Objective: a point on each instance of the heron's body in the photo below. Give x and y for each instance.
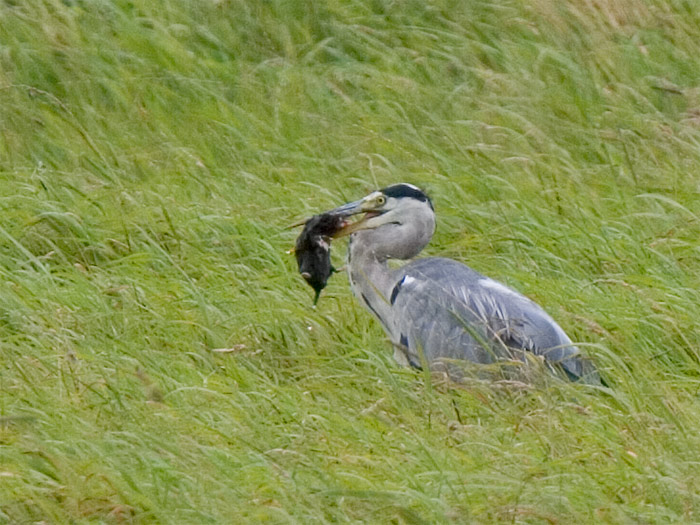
(444, 310)
(436, 309)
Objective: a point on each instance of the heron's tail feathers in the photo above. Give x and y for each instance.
(582, 370)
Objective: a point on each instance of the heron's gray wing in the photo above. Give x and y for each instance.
(444, 309)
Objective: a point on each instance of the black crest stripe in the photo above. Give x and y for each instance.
(399, 191)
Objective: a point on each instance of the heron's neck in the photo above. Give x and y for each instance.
(371, 279)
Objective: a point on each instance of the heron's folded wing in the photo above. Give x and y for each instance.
(449, 310)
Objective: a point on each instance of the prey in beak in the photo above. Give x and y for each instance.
(313, 250)
(313, 246)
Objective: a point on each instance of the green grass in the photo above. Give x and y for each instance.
(151, 157)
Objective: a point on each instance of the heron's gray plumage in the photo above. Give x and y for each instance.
(436, 309)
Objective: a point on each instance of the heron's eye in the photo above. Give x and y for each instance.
(381, 200)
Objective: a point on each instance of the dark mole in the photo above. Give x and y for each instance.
(313, 250)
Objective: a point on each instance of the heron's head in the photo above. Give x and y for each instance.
(399, 218)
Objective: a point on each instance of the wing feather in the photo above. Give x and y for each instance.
(445, 309)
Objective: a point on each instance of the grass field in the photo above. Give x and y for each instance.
(152, 155)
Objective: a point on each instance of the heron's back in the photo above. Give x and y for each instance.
(443, 309)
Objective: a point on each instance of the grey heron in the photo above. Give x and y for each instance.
(437, 310)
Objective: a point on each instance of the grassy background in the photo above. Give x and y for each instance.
(151, 156)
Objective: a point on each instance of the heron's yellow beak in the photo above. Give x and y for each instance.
(353, 227)
(368, 205)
